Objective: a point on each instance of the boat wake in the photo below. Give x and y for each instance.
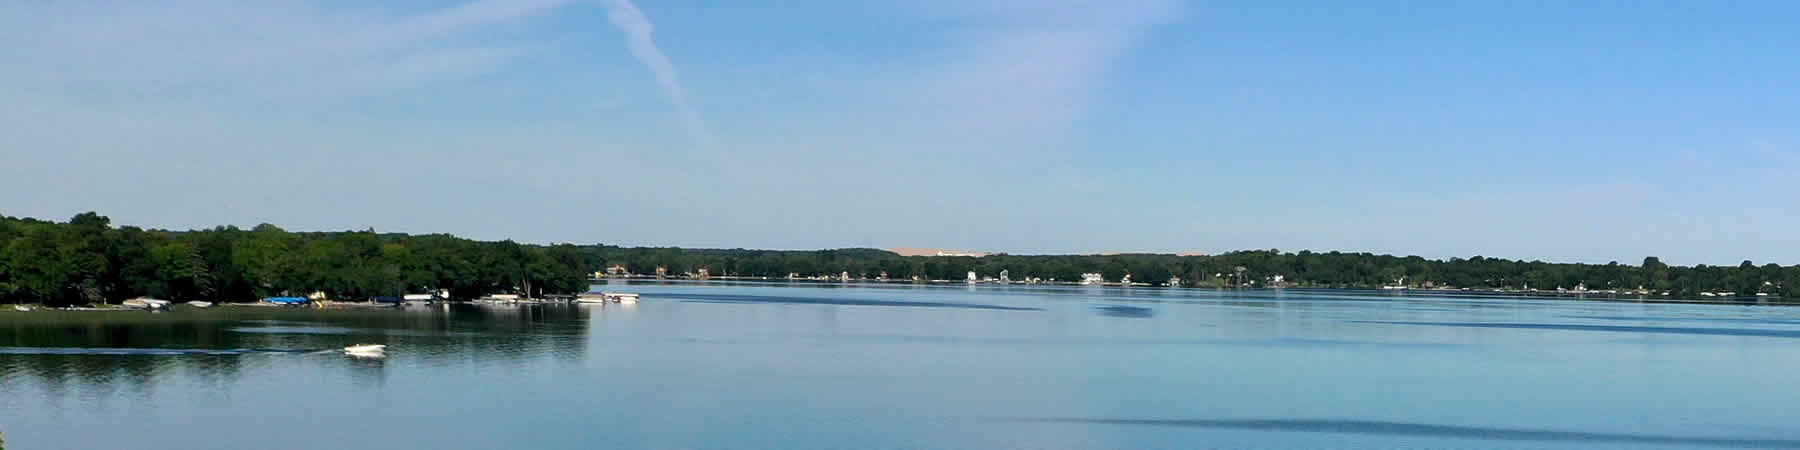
(156, 351)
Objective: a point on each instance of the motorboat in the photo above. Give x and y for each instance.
(200, 304)
(21, 308)
(366, 350)
(607, 297)
(147, 303)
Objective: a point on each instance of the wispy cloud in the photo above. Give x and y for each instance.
(637, 29)
(258, 49)
(1022, 72)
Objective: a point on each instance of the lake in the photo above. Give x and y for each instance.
(746, 365)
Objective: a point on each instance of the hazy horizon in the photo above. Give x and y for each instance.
(1588, 132)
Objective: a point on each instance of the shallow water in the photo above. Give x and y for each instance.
(828, 366)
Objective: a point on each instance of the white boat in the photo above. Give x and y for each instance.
(147, 303)
(366, 350)
(605, 297)
(21, 308)
(200, 304)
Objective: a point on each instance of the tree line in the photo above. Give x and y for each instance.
(1255, 268)
(87, 261)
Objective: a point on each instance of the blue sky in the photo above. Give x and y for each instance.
(1562, 131)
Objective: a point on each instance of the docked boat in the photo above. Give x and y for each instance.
(147, 303)
(200, 304)
(21, 308)
(500, 298)
(421, 298)
(607, 297)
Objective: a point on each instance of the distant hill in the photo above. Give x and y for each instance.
(1147, 253)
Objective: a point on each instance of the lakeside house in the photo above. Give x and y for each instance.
(1092, 278)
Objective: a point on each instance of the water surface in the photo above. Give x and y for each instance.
(739, 365)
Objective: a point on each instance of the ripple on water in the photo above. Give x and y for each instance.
(1611, 328)
(1429, 430)
(1134, 312)
(292, 330)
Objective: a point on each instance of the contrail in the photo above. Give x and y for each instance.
(637, 30)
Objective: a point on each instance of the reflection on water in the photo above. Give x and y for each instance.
(734, 365)
(100, 349)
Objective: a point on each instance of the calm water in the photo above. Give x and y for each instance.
(776, 366)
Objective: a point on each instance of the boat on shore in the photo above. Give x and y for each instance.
(287, 301)
(21, 308)
(200, 304)
(147, 304)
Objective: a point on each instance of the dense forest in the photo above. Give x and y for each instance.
(87, 260)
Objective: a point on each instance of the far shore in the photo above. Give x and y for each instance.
(1418, 293)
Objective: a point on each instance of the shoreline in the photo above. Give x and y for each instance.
(1419, 293)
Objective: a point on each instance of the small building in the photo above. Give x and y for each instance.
(617, 270)
(1092, 278)
(662, 272)
(972, 277)
(1005, 276)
